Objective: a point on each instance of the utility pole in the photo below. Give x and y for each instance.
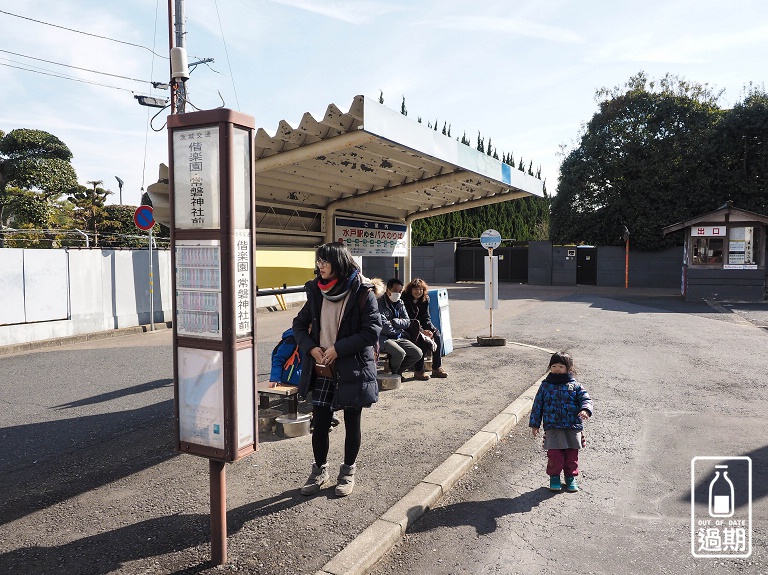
(178, 51)
(181, 92)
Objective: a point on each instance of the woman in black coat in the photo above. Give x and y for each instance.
(416, 301)
(337, 331)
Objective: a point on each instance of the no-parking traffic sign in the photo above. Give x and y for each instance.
(144, 218)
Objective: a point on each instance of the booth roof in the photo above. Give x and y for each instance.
(718, 215)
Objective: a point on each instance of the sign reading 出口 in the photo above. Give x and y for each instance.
(707, 231)
(368, 238)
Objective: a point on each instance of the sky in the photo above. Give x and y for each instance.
(523, 73)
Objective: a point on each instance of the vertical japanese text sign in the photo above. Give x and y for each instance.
(214, 353)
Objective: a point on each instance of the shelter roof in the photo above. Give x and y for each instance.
(370, 162)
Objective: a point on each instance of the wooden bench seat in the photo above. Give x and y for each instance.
(290, 392)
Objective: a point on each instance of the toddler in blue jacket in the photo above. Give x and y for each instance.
(561, 405)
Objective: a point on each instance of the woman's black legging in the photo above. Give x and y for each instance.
(321, 418)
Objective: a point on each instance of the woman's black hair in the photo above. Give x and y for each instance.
(562, 358)
(337, 254)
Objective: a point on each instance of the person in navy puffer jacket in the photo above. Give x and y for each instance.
(561, 405)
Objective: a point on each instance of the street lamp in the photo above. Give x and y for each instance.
(120, 183)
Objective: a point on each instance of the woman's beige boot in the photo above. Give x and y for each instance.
(346, 480)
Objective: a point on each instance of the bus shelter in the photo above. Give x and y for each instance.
(364, 176)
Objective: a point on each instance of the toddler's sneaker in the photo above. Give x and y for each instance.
(571, 485)
(554, 483)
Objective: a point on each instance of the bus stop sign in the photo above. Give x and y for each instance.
(490, 239)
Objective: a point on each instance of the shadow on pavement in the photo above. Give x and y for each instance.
(482, 515)
(67, 457)
(759, 459)
(637, 300)
(117, 394)
(107, 552)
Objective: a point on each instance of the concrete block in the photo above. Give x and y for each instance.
(365, 550)
(501, 425)
(413, 505)
(478, 445)
(450, 471)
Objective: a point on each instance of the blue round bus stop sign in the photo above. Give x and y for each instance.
(490, 239)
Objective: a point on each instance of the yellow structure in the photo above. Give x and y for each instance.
(275, 267)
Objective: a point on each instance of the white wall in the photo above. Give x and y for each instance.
(11, 286)
(56, 293)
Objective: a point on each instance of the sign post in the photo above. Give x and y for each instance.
(625, 237)
(214, 351)
(490, 240)
(144, 219)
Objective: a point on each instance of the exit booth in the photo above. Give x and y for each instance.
(723, 255)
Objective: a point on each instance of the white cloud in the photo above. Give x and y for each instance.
(504, 25)
(352, 12)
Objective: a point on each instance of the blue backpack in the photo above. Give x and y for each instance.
(286, 360)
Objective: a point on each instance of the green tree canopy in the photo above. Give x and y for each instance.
(523, 220)
(90, 212)
(646, 159)
(32, 160)
(741, 139)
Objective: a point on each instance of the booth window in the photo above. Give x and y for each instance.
(708, 250)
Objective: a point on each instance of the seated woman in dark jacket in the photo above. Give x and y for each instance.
(416, 301)
(337, 331)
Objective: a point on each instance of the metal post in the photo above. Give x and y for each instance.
(626, 263)
(181, 88)
(490, 287)
(218, 512)
(170, 47)
(151, 290)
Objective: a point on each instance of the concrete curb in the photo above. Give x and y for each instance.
(382, 535)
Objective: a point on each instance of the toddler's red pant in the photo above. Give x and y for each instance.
(565, 460)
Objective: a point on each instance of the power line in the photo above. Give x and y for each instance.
(76, 67)
(85, 33)
(67, 78)
(216, 4)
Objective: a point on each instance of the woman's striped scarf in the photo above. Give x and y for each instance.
(335, 289)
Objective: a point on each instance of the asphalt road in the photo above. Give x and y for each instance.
(92, 485)
(667, 386)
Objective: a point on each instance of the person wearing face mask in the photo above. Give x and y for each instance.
(404, 355)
